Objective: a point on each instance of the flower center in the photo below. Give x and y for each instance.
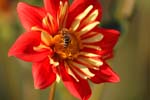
(66, 44)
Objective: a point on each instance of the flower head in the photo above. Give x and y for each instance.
(64, 41)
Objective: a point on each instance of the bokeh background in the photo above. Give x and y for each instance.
(131, 61)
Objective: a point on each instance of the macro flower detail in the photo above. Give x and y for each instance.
(63, 41)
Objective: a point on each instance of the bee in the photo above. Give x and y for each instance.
(66, 39)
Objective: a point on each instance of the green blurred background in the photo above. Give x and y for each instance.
(131, 61)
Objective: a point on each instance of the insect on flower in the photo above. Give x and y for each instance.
(63, 40)
(66, 38)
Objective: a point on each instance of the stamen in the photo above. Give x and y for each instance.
(89, 34)
(76, 23)
(95, 38)
(87, 54)
(93, 61)
(88, 28)
(92, 17)
(92, 47)
(55, 63)
(81, 70)
(87, 71)
(71, 73)
(40, 47)
(87, 64)
(63, 13)
(57, 78)
(48, 22)
(46, 38)
(85, 13)
(45, 21)
(35, 28)
(84, 69)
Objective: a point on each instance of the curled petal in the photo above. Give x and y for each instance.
(43, 74)
(104, 74)
(30, 15)
(23, 47)
(79, 89)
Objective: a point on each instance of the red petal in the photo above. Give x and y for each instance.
(110, 38)
(79, 89)
(30, 15)
(52, 6)
(108, 42)
(79, 6)
(23, 47)
(105, 74)
(43, 74)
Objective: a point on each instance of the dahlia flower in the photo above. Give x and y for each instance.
(64, 41)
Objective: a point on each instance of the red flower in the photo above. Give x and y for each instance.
(65, 41)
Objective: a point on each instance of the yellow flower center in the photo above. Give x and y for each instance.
(66, 44)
